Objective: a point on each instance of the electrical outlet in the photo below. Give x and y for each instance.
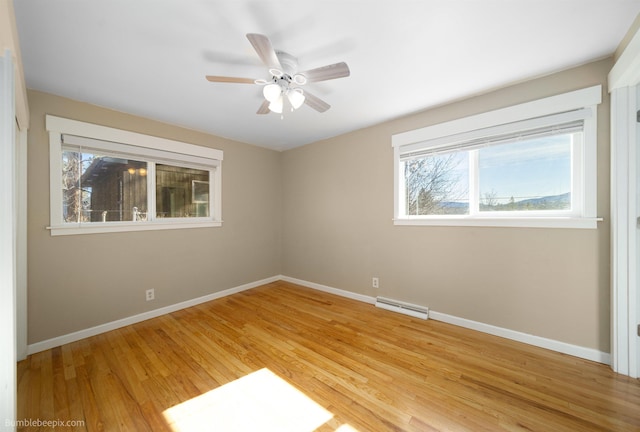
(375, 282)
(151, 294)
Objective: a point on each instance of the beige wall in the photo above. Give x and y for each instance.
(323, 213)
(338, 231)
(76, 282)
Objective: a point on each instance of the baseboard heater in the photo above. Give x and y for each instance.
(402, 307)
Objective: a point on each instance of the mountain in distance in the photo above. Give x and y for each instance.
(562, 199)
(551, 202)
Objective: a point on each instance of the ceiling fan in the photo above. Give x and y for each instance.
(286, 82)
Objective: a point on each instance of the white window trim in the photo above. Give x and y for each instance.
(587, 98)
(58, 126)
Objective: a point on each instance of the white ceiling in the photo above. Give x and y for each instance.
(149, 57)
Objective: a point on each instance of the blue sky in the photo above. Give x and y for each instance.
(527, 169)
(522, 170)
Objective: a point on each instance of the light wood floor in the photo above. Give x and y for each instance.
(367, 369)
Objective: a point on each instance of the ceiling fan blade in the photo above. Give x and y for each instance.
(264, 108)
(329, 72)
(315, 102)
(224, 79)
(265, 50)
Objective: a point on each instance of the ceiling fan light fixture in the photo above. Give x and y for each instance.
(277, 105)
(299, 79)
(284, 85)
(296, 98)
(272, 92)
(276, 72)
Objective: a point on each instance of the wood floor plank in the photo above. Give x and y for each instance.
(75, 405)
(61, 403)
(125, 365)
(92, 417)
(370, 369)
(46, 385)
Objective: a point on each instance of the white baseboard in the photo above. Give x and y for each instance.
(554, 345)
(550, 344)
(102, 328)
(330, 290)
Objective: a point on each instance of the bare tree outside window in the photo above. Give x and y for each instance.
(75, 199)
(433, 186)
(489, 200)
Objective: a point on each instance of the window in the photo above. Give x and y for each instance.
(105, 179)
(531, 165)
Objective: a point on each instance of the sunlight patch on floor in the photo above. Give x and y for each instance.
(260, 401)
(346, 428)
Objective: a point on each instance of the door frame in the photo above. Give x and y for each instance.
(625, 203)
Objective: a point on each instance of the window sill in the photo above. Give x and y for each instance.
(538, 222)
(98, 228)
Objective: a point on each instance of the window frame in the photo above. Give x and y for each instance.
(149, 149)
(444, 135)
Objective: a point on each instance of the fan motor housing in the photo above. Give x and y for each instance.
(288, 62)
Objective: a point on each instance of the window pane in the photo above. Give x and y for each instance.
(99, 188)
(181, 192)
(527, 175)
(437, 184)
